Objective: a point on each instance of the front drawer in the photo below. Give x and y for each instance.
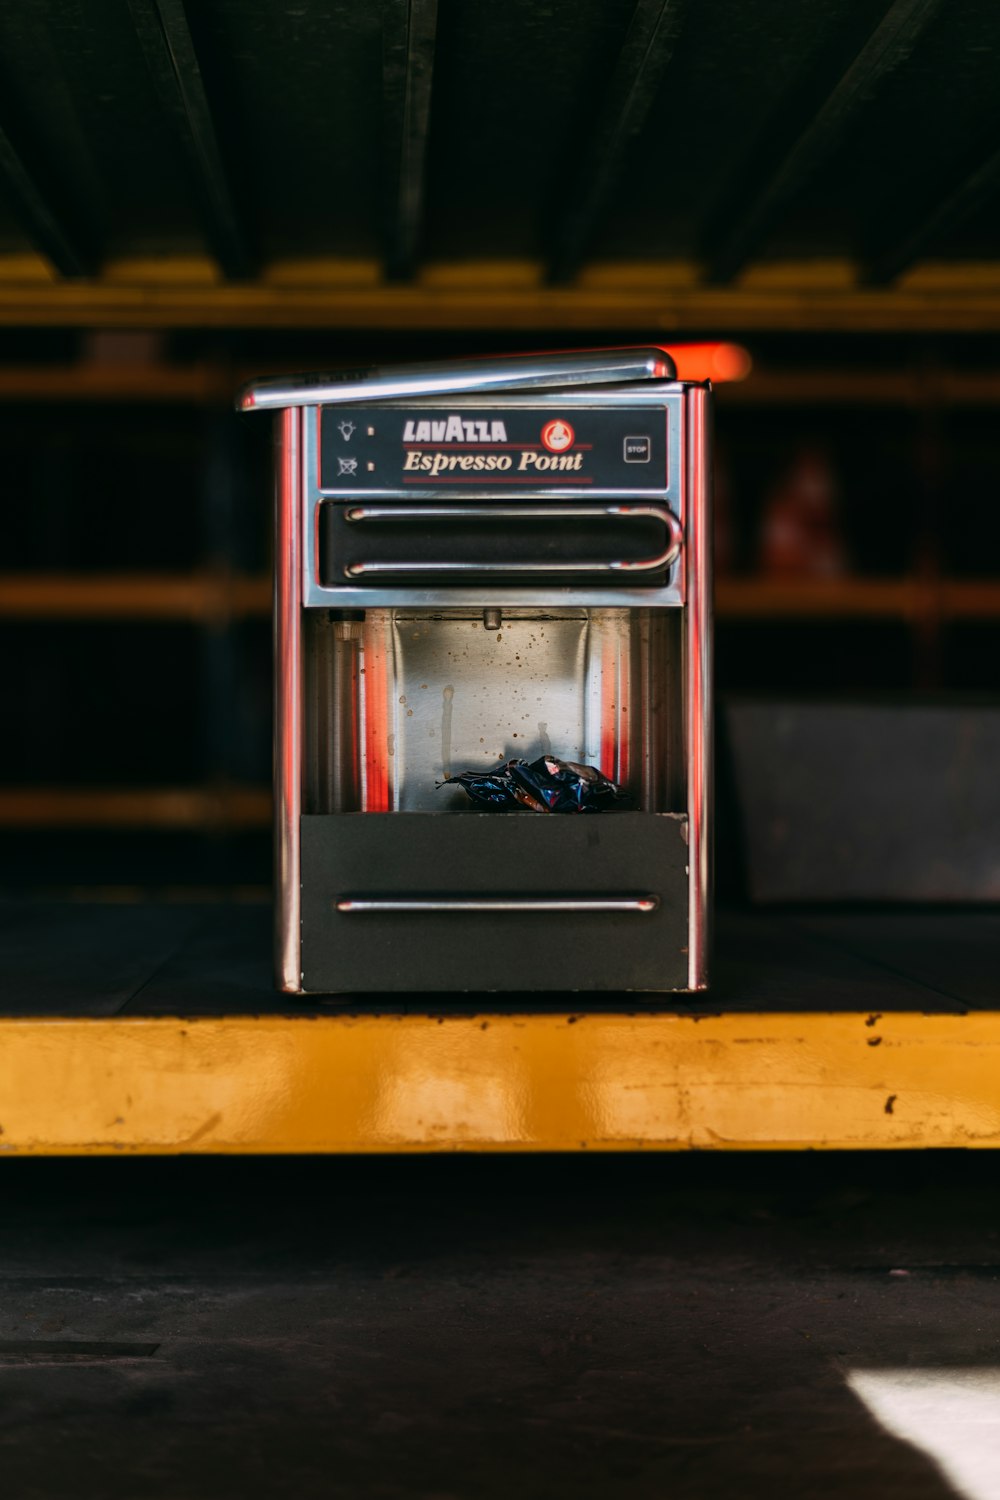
(389, 543)
(494, 902)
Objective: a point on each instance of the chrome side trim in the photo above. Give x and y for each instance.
(352, 905)
(698, 556)
(516, 372)
(288, 701)
(653, 564)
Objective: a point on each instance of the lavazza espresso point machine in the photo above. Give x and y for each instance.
(480, 567)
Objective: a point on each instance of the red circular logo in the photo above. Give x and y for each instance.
(558, 436)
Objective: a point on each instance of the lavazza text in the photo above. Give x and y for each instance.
(457, 430)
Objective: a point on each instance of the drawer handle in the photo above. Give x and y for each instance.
(353, 905)
(662, 559)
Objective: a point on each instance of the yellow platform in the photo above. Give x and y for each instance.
(499, 1083)
(827, 1031)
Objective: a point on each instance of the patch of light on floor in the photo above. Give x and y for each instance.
(952, 1415)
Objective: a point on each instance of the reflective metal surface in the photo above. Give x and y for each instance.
(698, 622)
(402, 700)
(512, 372)
(640, 904)
(287, 699)
(407, 686)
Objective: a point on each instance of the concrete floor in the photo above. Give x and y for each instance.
(496, 1327)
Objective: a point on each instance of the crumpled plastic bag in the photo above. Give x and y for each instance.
(543, 785)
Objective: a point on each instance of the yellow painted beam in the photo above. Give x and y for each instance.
(205, 597)
(62, 807)
(667, 298)
(498, 1083)
(763, 598)
(917, 389)
(128, 383)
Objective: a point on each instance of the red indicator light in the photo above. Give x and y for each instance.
(717, 362)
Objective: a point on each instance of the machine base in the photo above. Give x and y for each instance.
(354, 859)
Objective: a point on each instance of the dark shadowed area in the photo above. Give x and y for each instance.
(480, 1326)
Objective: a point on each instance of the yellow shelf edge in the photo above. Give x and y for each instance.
(498, 1082)
(667, 297)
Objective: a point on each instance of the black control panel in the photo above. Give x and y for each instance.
(600, 448)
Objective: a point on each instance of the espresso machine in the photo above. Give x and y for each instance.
(487, 573)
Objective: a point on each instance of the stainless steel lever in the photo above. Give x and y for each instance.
(354, 905)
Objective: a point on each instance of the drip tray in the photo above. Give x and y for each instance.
(494, 902)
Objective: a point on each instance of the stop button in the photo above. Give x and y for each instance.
(638, 450)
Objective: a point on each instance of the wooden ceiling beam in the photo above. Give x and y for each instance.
(410, 31)
(648, 47)
(739, 229)
(47, 227)
(165, 37)
(971, 194)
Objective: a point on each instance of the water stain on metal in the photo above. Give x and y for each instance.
(447, 709)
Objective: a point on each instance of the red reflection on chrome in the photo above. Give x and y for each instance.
(375, 697)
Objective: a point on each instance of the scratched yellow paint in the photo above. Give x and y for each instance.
(522, 1082)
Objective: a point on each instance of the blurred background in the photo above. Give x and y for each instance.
(190, 197)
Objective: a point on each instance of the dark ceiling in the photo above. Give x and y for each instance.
(565, 133)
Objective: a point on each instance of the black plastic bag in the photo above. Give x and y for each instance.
(543, 785)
